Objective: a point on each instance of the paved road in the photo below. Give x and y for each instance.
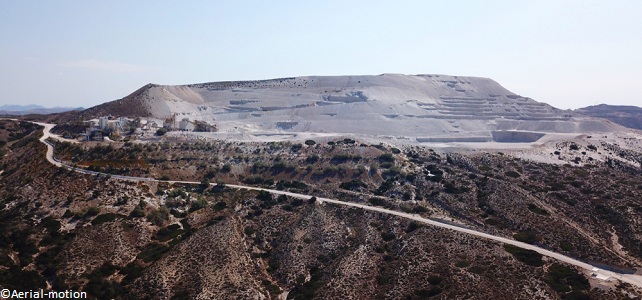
(629, 278)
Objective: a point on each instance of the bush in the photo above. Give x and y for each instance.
(264, 196)
(158, 216)
(419, 209)
(353, 184)
(152, 252)
(536, 209)
(161, 131)
(205, 183)
(434, 279)
(528, 257)
(564, 279)
(528, 237)
(198, 204)
(388, 236)
(378, 201)
(412, 227)
(386, 157)
(137, 212)
(512, 174)
(283, 184)
(427, 293)
(104, 218)
(254, 179)
(169, 232)
(221, 205)
(249, 230)
(451, 188)
(342, 158)
(92, 211)
(312, 159)
(310, 142)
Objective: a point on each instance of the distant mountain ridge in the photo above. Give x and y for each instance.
(628, 116)
(13, 107)
(421, 108)
(17, 110)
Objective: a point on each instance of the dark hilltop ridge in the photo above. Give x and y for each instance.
(628, 116)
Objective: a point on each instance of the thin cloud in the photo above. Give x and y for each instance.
(103, 65)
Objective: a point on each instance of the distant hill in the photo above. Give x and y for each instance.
(12, 107)
(19, 110)
(628, 116)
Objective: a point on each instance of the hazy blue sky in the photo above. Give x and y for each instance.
(82, 53)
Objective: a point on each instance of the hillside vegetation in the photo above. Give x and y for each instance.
(156, 240)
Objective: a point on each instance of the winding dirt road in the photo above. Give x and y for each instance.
(629, 278)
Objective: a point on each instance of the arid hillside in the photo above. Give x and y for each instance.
(161, 240)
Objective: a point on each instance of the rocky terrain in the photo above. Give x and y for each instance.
(564, 181)
(162, 240)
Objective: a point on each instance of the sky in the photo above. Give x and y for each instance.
(569, 54)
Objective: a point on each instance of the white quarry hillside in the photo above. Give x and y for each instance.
(415, 108)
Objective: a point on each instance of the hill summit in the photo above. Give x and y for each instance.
(418, 108)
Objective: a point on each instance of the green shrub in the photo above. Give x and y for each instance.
(170, 232)
(528, 257)
(152, 252)
(526, 237)
(200, 203)
(536, 209)
(312, 159)
(254, 179)
(427, 293)
(419, 209)
(104, 218)
(386, 157)
(353, 184)
(412, 226)
(434, 279)
(566, 246)
(378, 201)
(342, 158)
(388, 236)
(462, 264)
(512, 174)
(221, 205)
(92, 211)
(249, 230)
(564, 279)
(158, 216)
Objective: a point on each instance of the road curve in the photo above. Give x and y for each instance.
(629, 278)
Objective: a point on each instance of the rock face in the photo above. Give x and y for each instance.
(418, 108)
